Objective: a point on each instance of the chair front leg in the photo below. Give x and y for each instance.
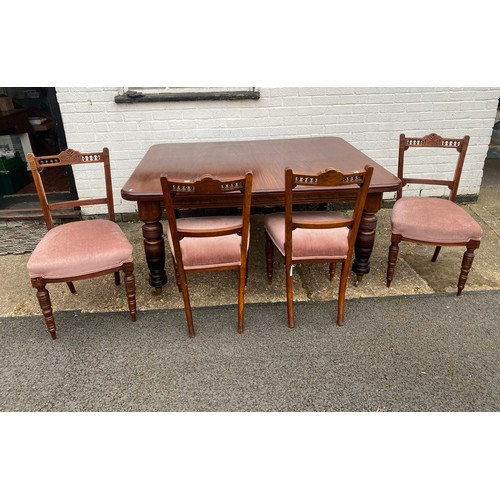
(393, 257)
(467, 260)
(128, 269)
(45, 304)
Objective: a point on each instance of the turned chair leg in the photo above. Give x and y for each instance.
(467, 260)
(393, 257)
(128, 270)
(45, 304)
(71, 287)
(269, 258)
(436, 253)
(331, 270)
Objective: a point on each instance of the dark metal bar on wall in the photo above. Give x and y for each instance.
(134, 97)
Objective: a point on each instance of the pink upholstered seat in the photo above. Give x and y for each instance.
(435, 220)
(79, 248)
(212, 251)
(310, 244)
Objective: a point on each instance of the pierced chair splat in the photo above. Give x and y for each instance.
(433, 221)
(316, 236)
(78, 250)
(208, 243)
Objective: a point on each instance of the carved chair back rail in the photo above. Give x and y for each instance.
(65, 158)
(432, 141)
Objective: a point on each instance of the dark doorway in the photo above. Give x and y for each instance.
(489, 194)
(30, 120)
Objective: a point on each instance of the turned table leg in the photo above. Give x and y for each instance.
(366, 236)
(154, 245)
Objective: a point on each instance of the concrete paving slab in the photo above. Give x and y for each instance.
(415, 275)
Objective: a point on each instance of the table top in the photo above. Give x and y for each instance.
(267, 159)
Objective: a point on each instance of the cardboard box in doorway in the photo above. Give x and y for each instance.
(6, 104)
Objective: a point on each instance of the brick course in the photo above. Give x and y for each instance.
(369, 118)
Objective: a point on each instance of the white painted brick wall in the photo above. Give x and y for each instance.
(369, 118)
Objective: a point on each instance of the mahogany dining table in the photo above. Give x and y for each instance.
(267, 159)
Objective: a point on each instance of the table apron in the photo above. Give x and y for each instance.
(258, 199)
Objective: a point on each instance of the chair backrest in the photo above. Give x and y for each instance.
(432, 141)
(206, 185)
(65, 158)
(327, 178)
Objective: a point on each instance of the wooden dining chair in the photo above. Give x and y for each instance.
(315, 236)
(208, 243)
(82, 249)
(433, 221)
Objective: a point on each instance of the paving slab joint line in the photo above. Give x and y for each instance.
(487, 217)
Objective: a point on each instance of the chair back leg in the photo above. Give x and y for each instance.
(344, 274)
(269, 258)
(71, 287)
(176, 272)
(241, 296)
(246, 271)
(117, 278)
(185, 298)
(331, 270)
(289, 294)
(436, 253)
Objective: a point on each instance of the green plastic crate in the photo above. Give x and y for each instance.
(12, 181)
(9, 164)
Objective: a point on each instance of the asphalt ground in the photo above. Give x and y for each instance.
(430, 353)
